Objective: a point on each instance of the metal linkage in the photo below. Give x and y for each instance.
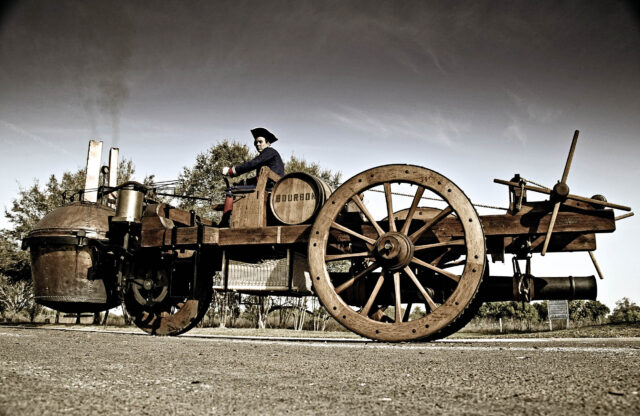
(535, 183)
(439, 200)
(522, 279)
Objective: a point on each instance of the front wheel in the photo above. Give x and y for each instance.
(159, 309)
(397, 267)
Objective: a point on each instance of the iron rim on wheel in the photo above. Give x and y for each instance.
(157, 313)
(396, 252)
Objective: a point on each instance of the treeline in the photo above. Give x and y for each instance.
(516, 316)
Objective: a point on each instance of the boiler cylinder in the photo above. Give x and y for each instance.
(64, 268)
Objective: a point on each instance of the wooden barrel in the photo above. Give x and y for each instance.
(297, 197)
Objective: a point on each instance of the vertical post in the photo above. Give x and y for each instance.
(91, 182)
(113, 172)
(501, 325)
(550, 325)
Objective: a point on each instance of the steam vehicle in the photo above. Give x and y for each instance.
(387, 241)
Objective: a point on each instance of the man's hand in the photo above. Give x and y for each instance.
(227, 171)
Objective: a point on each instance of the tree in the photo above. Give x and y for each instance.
(543, 310)
(510, 310)
(577, 311)
(625, 311)
(14, 296)
(14, 262)
(300, 165)
(258, 308)
(596, 310)
(591, 310)
(204, 179)
(299, 313)
(320, 315)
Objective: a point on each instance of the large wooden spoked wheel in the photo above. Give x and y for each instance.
(170, 316)
(414, 256)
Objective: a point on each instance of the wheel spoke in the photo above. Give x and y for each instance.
(372, 297)
(351, 232)
(407, 312)
(441, 244)
(337, 247)
(438, 259)
(332, 257)
(453, 264)
(415, 236)
(352, 280)
(367, 214)
(412, 210)
(451, 276)
(387, 196)
(423, 291)
(396, 285)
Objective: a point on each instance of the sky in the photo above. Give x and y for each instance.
(474, 90)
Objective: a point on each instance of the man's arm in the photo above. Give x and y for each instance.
(261, 160)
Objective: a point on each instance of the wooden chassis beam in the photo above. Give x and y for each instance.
(507, 227)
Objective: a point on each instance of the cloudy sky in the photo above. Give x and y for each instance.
(475, 90)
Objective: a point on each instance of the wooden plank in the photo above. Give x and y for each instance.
(186, 235)
(290, 234)
(503, 225)
(560, 242)
(250, 210)
(537, 223)
(154, 236)
(211, 235)
(174, 214)
(154, 231)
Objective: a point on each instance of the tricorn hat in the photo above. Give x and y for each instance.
(262, 132)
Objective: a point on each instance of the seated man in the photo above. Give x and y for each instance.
(267, 156)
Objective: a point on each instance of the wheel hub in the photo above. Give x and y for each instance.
(148, 284)
(393, 250)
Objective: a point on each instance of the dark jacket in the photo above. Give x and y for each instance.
(268, 157)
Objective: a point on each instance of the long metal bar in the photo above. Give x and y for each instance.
(570, 196)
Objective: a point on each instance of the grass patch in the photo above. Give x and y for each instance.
(588, 331)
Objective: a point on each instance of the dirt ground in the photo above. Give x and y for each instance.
(46, 371)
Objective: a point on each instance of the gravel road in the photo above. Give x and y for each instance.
(47, 371)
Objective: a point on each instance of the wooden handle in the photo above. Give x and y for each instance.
(554, 214)
(595, 263)
(567, 165)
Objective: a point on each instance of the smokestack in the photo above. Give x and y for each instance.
(91, 182)
(113, 172)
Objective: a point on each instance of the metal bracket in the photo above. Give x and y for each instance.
(522, 281)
